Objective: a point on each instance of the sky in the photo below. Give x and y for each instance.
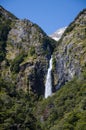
(50, 15)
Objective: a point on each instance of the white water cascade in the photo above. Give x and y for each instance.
(48, 84)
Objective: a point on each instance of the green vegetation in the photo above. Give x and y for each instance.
(54, 63)
(65, 110)
(4, 29)
(5, 26)
(70, 28)
(16, 62)
(16, 108)
(2, 50)
(32, 51)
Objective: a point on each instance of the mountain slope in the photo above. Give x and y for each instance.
(70, 54)
(66, 109)
(25, 50)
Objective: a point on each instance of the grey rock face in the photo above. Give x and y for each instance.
(28, 50)
(70, 54)
(67, 68)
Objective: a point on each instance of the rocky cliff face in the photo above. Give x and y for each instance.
(26, 51)
(71, 51)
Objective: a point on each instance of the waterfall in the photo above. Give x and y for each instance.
(48, 84)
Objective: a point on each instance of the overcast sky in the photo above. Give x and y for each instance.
(50, 15)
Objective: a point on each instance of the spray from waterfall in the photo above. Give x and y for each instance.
(48, 84)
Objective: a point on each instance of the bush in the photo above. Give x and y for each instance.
(16, 62)
(32, 50)
(2, 50)
(54, 63)
(4, 29)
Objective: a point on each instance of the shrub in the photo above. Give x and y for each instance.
(4, 29)
(54, 63)
(16, 62)
(32, 50)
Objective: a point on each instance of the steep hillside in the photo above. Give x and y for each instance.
(25, 52)
(70, 54)
(6, 19)
(66, 110)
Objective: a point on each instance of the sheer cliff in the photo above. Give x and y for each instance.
(70, 53)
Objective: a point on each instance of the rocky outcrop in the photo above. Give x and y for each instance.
(31, 76)
(71, 51)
